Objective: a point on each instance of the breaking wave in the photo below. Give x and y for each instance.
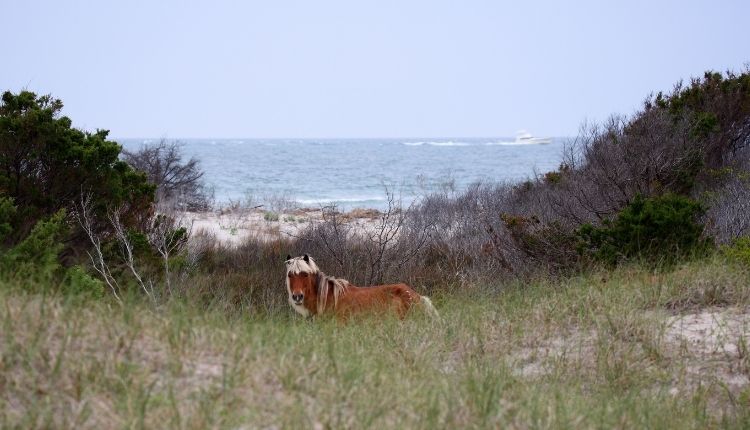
(446, 143)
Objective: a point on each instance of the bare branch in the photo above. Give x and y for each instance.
(82, 215)
(127, 252)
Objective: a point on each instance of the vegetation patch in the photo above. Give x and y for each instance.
(596, 350)
(270, 216)
(662, 228)
(739, 251)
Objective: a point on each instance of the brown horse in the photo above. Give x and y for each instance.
(312, 292)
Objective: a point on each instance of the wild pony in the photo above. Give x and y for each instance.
(312, 292)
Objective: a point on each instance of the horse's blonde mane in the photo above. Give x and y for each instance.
(323, 282)
(298, 265)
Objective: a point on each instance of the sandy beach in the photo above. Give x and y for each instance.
(232, 227)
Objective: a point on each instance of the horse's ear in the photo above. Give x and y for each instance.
(288, 257)
(306, 258)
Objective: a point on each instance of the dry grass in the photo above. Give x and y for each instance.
(627, 349)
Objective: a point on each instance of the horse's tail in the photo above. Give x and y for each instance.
(429, 308)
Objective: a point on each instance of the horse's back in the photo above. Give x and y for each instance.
(397, 298)
(404, 292)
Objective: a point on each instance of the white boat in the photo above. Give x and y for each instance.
(523, 137)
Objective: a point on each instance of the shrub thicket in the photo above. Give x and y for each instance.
(47, 168)
(657, 229)
(692, 143)
(45, 165)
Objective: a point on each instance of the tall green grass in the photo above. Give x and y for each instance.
(587, 352)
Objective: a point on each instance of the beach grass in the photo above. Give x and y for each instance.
(609, 349)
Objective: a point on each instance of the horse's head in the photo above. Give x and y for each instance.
(301, 277)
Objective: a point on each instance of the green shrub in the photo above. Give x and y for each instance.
(704, 124)
(45, 164)
(660, 228)
(553, 177)
(36, 259)
(36, 256)
(739, 251)
(270, 216)
(79, 283)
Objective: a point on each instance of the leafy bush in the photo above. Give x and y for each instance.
(78, 283)
(36, 256)
(45, 164)
(739, 250)
(47, 167)
(656, 228)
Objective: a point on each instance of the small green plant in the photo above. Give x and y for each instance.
(658, 228)
(556, 176)
(270, 216)
(739, 251)
(79, 283)
(36, 256)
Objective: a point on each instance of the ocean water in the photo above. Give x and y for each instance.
(355, 172)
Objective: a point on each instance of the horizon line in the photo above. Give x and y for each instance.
(327, 138)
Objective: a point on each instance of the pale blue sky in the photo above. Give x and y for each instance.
(360, 68)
